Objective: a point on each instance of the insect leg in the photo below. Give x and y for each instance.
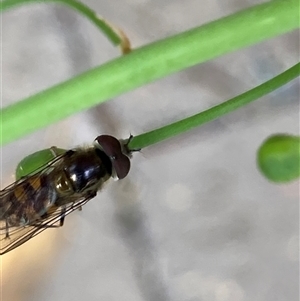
(89, 196)
(63, 215)
(6, 230)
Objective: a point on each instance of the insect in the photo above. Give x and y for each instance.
(67, 180)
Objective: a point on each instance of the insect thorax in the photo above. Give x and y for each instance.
(81, 171)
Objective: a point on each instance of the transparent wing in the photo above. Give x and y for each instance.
(14, 205)
(47, 167)
(19, 235)
(11, 237)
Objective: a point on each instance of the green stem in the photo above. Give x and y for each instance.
(76, 5)
(176, 128)
(147, 64)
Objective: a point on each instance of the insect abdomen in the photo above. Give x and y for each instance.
(28, 201)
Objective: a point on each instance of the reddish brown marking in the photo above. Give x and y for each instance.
(35, 182)
(19, 193)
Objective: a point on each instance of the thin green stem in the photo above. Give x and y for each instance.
(76, 5)
(149, 63)
(179, 127)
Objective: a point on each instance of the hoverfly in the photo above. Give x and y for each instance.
(42, 198)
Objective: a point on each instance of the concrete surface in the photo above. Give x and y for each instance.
(194, 220)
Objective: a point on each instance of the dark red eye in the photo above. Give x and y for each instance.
(113, 149)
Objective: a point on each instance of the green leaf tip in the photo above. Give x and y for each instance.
(279, 158)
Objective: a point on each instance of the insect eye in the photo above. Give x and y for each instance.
(113, 149)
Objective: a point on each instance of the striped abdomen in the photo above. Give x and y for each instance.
(28, 201)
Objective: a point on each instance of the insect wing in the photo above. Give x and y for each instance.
(16, 203)
(42, 169)
(11, 237)
(19, 235)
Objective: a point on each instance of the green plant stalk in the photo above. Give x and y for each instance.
(147, 64)
(76, 5)
(179, 127)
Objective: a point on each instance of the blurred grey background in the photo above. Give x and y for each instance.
(194, 220)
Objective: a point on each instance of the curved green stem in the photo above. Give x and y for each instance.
(76, 5)
(147, 64)
(176, 128)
